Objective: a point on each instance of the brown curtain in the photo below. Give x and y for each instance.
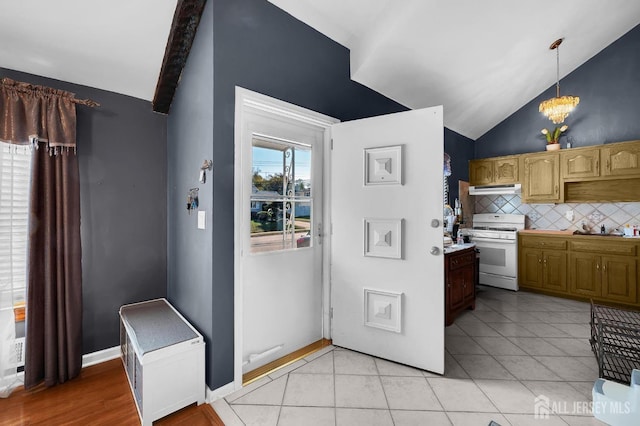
(46, 118)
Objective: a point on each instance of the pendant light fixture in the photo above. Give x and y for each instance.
(558, 108)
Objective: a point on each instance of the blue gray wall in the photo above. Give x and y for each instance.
(255, 45)
(461, 150)
(189, 143)
(609, 89)
(261, 48)
(122, 158)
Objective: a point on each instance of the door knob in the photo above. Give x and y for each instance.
(435, 250)
(435, 223)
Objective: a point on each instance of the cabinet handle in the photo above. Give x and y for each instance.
(606, 167)
(604, 267)
(539, 260)
(556, 189)
(598, 266)
(598, 167)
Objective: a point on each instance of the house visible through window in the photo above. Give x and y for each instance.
(281, 196)
(15, 165)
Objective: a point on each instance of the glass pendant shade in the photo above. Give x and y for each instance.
(558, 108)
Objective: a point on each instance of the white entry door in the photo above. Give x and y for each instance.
(281, 250)
(387, 266)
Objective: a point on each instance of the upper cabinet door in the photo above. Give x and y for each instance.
(480, 172)
(541, 178)
(580, 163)
(506, 170)
(621, 160)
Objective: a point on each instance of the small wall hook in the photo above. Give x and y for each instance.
(207, 165)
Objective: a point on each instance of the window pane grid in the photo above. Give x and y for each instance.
(281, 194)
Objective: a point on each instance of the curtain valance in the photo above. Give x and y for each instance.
(30, 111)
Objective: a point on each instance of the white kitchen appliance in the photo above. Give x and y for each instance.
(496, 238)
(513, 188)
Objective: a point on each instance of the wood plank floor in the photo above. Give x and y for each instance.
(100, 396)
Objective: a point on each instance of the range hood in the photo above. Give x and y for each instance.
(514, 188)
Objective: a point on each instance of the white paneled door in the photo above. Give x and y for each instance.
(279, 216)
(387, 266)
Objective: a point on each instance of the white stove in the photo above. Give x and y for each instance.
(496, 238)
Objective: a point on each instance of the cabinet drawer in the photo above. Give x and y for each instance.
(462, 260)
(545, 243)
(602, 247)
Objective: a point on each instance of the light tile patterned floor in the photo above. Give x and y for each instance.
(513, 347)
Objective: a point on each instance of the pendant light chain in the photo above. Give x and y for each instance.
(558, 71)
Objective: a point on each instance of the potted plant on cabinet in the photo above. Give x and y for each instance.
(553, 137)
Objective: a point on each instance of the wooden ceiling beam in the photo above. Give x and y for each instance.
(183, 31)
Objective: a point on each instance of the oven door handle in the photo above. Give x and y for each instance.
(492, 240)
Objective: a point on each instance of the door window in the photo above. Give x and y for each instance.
(281, 196)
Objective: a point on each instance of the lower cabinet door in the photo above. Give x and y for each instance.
(619, 281)
(531, 268)
(456, 288)
(585, 274)
(555, 271)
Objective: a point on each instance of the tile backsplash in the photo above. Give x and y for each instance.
(552, 216)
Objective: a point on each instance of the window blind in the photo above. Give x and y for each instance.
(15, 165)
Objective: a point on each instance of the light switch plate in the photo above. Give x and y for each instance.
(569, 214)
(201, 219)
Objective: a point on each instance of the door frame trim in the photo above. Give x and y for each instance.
(248, 102)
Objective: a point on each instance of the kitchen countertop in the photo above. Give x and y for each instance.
(569, 233)
(546, 231)
(457, 247)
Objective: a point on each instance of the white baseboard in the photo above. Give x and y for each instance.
(97, 357)
(90, 359)
(221, 392)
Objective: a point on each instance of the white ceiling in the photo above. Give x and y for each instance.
(482, 60)
(115, 45)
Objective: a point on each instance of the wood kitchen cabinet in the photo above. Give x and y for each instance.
(494, 171)
(608, 277)
(584, 271)
(609, 161)
(604, 269)
(541, 178)
(543, 269)
(580, 163)
(480, 172)
(621, 160)
(598, 173)
(460, 279)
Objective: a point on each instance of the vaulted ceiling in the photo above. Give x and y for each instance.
(115, 45)
(137, 48)
(482, 60)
